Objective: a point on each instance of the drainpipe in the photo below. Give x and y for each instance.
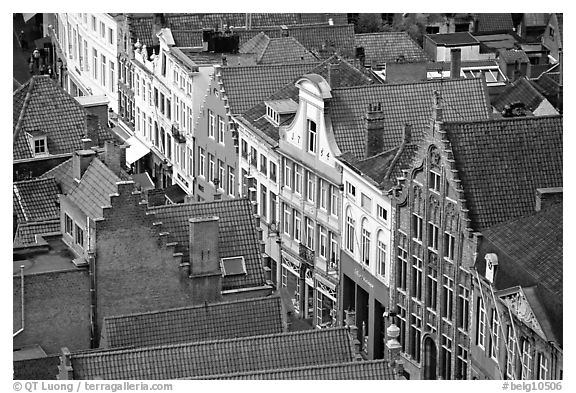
(21, 300)
(92, 269)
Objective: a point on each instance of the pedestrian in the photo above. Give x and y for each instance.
(23, 42)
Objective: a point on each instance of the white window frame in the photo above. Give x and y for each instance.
(211, 124)
(312, 137)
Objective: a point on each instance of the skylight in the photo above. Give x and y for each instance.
(233, 266)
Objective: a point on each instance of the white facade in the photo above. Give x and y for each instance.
(468, 52)
(368, 212)
(90, 44)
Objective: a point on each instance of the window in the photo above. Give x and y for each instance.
(297, 179)
(85, 59)
(334, 250)
(163, 64)
(365, 244)
(350, 190)
(481, 325)
(350, 223)
(526, 359)
(297, 226)
(220, 130)
(323, 194)
(432, 289)
(446, 358)
(244, 148)
(461, 363)
(417, 227)
(402, 268)
(263, 205)
(253, 157)
(273, 207)
(366, 202)
(449, 241)
(433, 231)
(448, 297)
(309, 233)
(402, 326)
(287, 219)
(381, 254)
(323, 239)
(79, 236)
(211, 124)
(334, 201)
(542, 366)
(68, 224)
(40, 146)
(221, 175)
(231, 180)
(263, 164)
(112, 76)
(312, 136)
(201, 161)
(110, 36)
(382, 213)
(511, 354)
(93, 24)
(232, 266)
(95, 64)
(162, 102)
(273, 170)
(168, 146)
(288, 175)
(415, 336)
(310, 187)
(103, 73)
(463, 307)
(495, 336)
(434, 181)
(102, 30)
(432, 29)
(210, 167)
(551, 31)
(168, 108)
(416, 277)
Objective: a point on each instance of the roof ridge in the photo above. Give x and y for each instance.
(506, 119)
(263, 51)
(111, 352)
(36, 179)
(27, 98)
(56, 167)
(165, 207)
(279, 65)
(198, 306)
(423, 82)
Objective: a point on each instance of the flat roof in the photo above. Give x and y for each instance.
(453, 39)
(88, 101)
(57, 258)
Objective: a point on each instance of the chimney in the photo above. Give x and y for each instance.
(437, 107)
(114, 156)
(80, 162)
(203, 243)
(285, 32)
(546, 197)
(331, 21)
(86, 143)
(65, 371)
(407, 134)
(155, 197)
(374, 130)
(455, 63)
(92, 126)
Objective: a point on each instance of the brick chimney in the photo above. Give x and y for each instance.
(455, 63)
(65, 371)
(155, 197)
(80, 162)
(374, 130)
(114, 156)
(546, 197)
(205, 258)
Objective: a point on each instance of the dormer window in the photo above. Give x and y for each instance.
(279, 110)
(38, 143)
(40, 146)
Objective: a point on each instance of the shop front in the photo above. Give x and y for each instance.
(368, 298)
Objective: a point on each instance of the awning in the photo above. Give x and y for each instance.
(135, 150)
(175, 193)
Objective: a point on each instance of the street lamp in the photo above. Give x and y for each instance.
(393, 345)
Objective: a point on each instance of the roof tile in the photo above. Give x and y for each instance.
(36, 200)
(387, 47)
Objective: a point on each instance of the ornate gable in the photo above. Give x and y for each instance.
(520, 307)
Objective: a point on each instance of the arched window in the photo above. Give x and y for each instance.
(350, 224)
(381, 254)
(365, 243)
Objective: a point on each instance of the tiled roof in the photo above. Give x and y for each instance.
(322, 40)
(285, 350)
(36, 200)
(41, 105)
(536, 19)
(521, 90)
(214, 321)
(26, 233)
(494, 23)
(187, 38)
(548, 85)
(342, 73)
(237, 234)
(364, 370)
(513, 55)
(63, 175)
(389, 46)
(453, 39)
(45, 368)
(247, 86)
(281, 50)
(516, 157)
(406, 103)
(94, 190)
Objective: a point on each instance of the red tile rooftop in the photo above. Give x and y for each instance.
(57, 258)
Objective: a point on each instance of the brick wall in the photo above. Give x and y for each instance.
(136, 271)
(57, 310)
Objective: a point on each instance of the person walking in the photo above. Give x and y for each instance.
(22, 39)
